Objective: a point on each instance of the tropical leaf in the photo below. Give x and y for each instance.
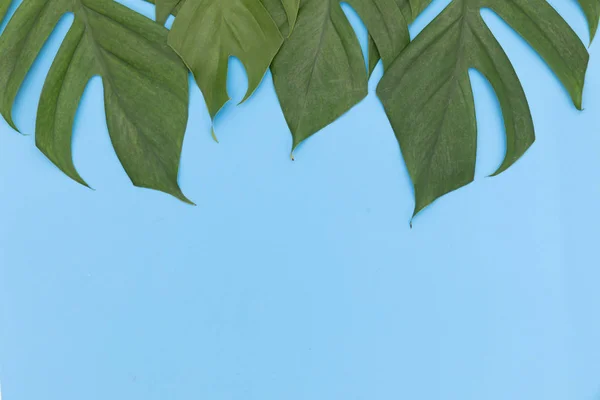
(592, 12)
(145, 85)
(320, 73)
(206, 33)
(427, 93)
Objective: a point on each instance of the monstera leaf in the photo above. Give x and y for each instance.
(592, 12)
(206, 33)
(427, 93)
(320, 73)
(145, 85)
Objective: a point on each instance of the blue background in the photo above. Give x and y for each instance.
(303, 280)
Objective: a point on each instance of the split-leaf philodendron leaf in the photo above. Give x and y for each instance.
(145, 85)
(207, 32)
(318, 70)
(427, 92)
(320, 73)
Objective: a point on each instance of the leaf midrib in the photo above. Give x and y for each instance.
(327, 15)
(464, 24)
(97, 49)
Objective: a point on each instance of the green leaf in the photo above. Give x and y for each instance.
(206, 33)
(235, 28)
(427, 93)
(320, 73)
(145, 85)
(592, 12)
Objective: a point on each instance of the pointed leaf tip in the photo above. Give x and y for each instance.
(313, 86)
(428, 97)
(145, 84)
(205, 34)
